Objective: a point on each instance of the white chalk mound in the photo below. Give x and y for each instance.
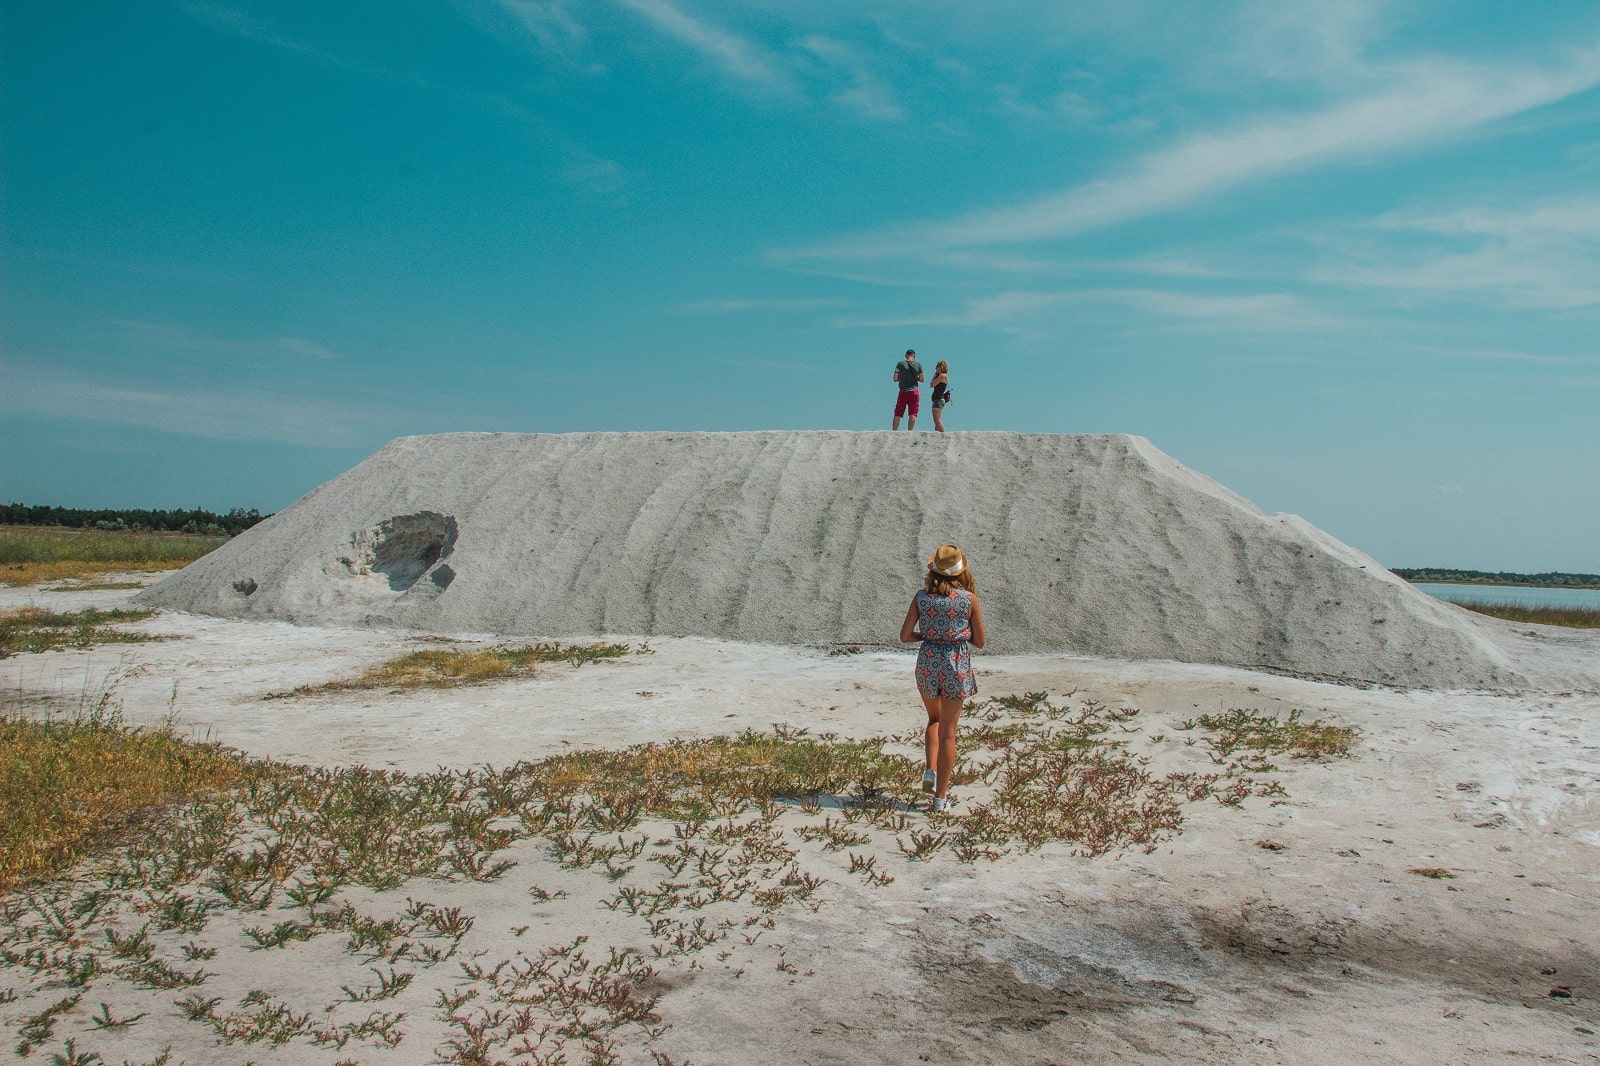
(1100, 545)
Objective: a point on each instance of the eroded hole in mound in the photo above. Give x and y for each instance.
(406, 546)
(245, 586)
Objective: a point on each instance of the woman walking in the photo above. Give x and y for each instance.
(946, 618)
(941, 392)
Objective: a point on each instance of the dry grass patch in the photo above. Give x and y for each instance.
(1268, 734)
(35, 629)
(444, 668)
(699, 779)
(69, 786)
(1065, 774)
(31, 554)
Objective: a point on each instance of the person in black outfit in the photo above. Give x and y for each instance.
(941, 393)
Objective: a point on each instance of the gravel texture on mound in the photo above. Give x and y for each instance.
(1100, 545)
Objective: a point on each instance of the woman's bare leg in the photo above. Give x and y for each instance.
(949, 716)
(930, 736)
(938, 419)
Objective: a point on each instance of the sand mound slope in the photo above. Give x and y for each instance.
(1101, 545)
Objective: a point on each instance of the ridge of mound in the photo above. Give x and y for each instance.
(1100, 545)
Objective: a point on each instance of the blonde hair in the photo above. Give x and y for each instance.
(939, 584)
(941, 367)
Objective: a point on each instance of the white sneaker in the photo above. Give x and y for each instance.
(941, 805)
(929, 781)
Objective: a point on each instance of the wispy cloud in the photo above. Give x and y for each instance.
(594, 175)
(1542, 256)
(1249, 313)
(1425, 102)
(240, 24)
(1505, 355)
(1170, 266)
(1002, 310)
(550, 22)
(1252, 313)
(866, 94)
(813, 65)
(301, 346)
(809, 66)
(732, 307)
(741, 58)
(766, 364)
(1325, 40)
(176, 337)
(235, 413)
(579, 168)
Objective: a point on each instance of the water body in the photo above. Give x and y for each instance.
(1520, 595)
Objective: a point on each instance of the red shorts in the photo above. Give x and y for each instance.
(910, 400)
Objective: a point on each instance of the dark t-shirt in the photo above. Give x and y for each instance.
(908, 372)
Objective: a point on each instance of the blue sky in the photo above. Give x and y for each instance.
(1343, 257)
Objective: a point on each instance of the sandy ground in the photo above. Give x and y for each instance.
(1212, 948)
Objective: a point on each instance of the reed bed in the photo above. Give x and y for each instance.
(1540, 614)
(31, 554)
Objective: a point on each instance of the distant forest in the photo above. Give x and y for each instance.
(1501, 577)
(204, 523)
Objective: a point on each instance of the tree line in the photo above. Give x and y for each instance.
(1551, 579)
(197, 521)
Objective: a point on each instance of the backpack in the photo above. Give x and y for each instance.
(907, 374)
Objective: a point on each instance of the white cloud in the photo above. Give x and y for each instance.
(866, 94)
(752, 364)
(551, 23)
(1170, 266)
(1249, 313)
(1426, 101)
(594, 175)
(1001, 310)
(1253, 313)
(239, 413)
(229, 20)
(729, 307)
(166, 335)
(580, 169)
(1325, 40)
(1506, 355)
(301, 346)
(818, 64)
(741, 58)
(1542, 256)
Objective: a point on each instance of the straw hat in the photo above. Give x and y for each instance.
(947, 560)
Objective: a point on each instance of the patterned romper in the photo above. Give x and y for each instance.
(944, 663)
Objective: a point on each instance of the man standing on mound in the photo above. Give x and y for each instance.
(907, 374)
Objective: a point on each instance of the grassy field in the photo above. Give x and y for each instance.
(1574, 617)
(31, 554)
(694, 848)
(1054, 773)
